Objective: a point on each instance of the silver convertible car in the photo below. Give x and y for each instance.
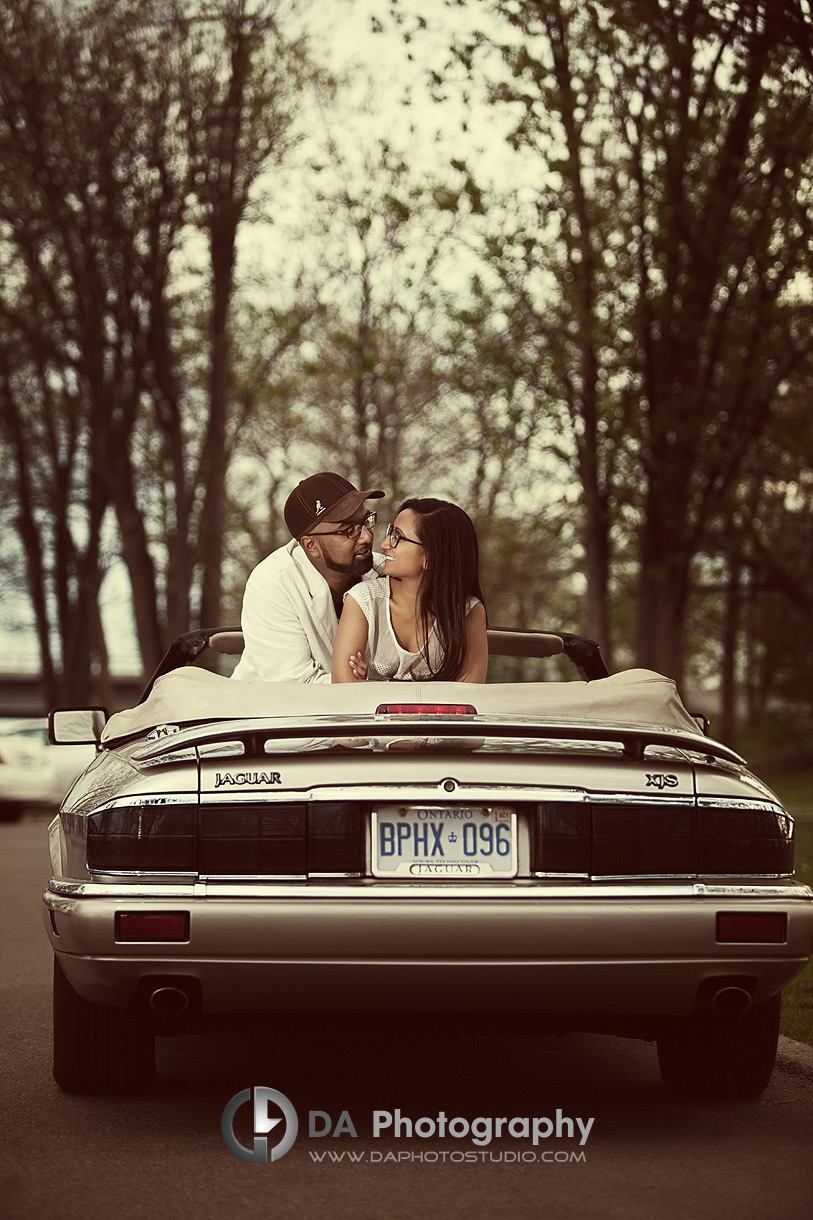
(558, 855)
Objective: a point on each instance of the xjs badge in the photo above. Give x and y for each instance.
(661, 781)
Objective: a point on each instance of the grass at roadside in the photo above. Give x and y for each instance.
(796, 790)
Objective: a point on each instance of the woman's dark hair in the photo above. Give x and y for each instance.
(451, 577)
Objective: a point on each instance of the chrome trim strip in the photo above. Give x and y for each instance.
(338, 876)
(739, 802)
(749, 891)
(127, 802)
(120, 877)
(667, 876)
(562, 876)
(420, 794)
(521, 890)
(98, 874)
(59, 890)
(252, 878)
(655, 799)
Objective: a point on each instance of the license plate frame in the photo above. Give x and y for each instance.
(434, 845)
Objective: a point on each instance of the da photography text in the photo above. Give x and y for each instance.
(393, 1125)
(273, 1112)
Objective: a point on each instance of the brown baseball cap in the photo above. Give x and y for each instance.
(323, 497)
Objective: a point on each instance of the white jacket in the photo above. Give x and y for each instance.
(288, 620)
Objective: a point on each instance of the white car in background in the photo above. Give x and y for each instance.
(32, 771)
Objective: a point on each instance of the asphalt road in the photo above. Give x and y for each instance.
(646, 1156)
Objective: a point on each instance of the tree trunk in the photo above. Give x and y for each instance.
(101, 685)
(661, 612)
(597, 572)
(666, 551)
(81, 636)
(140, 568)
(167, 394)
(213, 516)
(29, 536)
(731, 629)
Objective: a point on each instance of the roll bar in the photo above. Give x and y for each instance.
(502, 642)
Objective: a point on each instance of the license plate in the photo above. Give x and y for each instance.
(455, 843)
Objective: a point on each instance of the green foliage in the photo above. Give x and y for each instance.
(657, 269)
(797, 999)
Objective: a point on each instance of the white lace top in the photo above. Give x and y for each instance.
(386, 659)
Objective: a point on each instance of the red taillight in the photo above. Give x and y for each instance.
(752, 927)
(425, 709)
(158, 925)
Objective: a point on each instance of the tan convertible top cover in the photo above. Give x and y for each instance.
(634, 698)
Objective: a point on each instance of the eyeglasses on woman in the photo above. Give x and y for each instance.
(394, 536)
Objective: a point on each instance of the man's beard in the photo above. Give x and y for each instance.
(357, 567)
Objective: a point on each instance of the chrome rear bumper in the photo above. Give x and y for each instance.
(371, 947)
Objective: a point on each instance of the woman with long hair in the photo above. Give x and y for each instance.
(425, 620)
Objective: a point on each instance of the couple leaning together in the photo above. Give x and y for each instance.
(326, 607)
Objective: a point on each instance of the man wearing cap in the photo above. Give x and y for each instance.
(293, 598)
